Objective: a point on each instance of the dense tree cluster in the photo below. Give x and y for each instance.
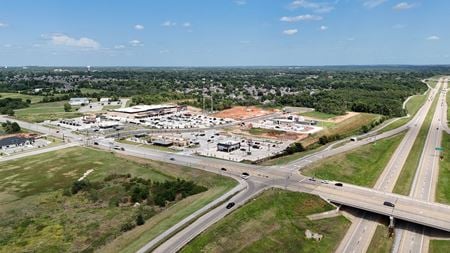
(11, 127)
(373, 89)
(8, 105)
(135, 189)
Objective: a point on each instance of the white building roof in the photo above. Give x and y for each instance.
(228, 142)
(143, 108)
(79, 99)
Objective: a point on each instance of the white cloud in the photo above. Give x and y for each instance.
(322, 7)
(240, 2)
(402, 6)
(244, 42)
(306, 17)
(303, 4)
(164, 51)
(64, 40)
(290, 31)
(351, 39)
(398, 26)
(139, 27)
(7, 45)
(323, 28)
(135, 43)
(187, 24)
(373, 3)
(169, 23)
(119, 47)
(433, 37)
(3, 25)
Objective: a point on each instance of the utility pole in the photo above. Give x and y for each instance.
(212, 103)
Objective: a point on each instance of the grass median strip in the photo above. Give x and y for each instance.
(361, 166)
(439, 246)
(443, 185)
(381, 242)
(403, 186)
(275, 221)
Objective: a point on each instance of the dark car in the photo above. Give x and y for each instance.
(338, 184)
(230, 205)
(172, 159)
(387, 203)
(223, 169)
(95, 143)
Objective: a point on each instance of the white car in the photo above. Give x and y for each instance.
(245, 175)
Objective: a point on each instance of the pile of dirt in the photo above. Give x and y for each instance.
(242, 112)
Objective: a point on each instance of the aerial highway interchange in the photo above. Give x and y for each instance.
(418, 209)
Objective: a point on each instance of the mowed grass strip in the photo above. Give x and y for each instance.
(348, 127)
(36, 216)
(448, 106)
(45, 111)
(381, 242)
(273, 222)
(439, 246)
(33, 98)
(412, 107)
(443, 184)
(406, 178)
(361, 166)
(318, 115)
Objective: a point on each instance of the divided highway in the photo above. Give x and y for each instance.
(363, 228)
(419, 211)
(413, 237)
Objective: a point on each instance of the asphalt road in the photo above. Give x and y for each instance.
(413, 238)
(286, 177)
(360, 233)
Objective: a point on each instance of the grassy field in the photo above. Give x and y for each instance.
(347, 127)
(150, 146)
(260, 131)
(361, 166)
(412, 107)
(381, 242)
(36, 215)
(90, 91)
(289, 158)
(273, 222)
(45, 111)
(439, 246)
(318, 115)
(443, 185)
(403, 186)
(24, 97)
(448, 107)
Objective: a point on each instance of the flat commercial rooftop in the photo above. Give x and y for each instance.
(143, 108)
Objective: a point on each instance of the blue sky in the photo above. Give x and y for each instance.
(223, 32)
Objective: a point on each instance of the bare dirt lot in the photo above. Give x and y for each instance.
(242, 112)
(341, 118)
(336, 119)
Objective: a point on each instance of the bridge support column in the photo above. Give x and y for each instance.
(391, 222)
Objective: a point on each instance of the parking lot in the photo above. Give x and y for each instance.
(180, 120)
(205, 143)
